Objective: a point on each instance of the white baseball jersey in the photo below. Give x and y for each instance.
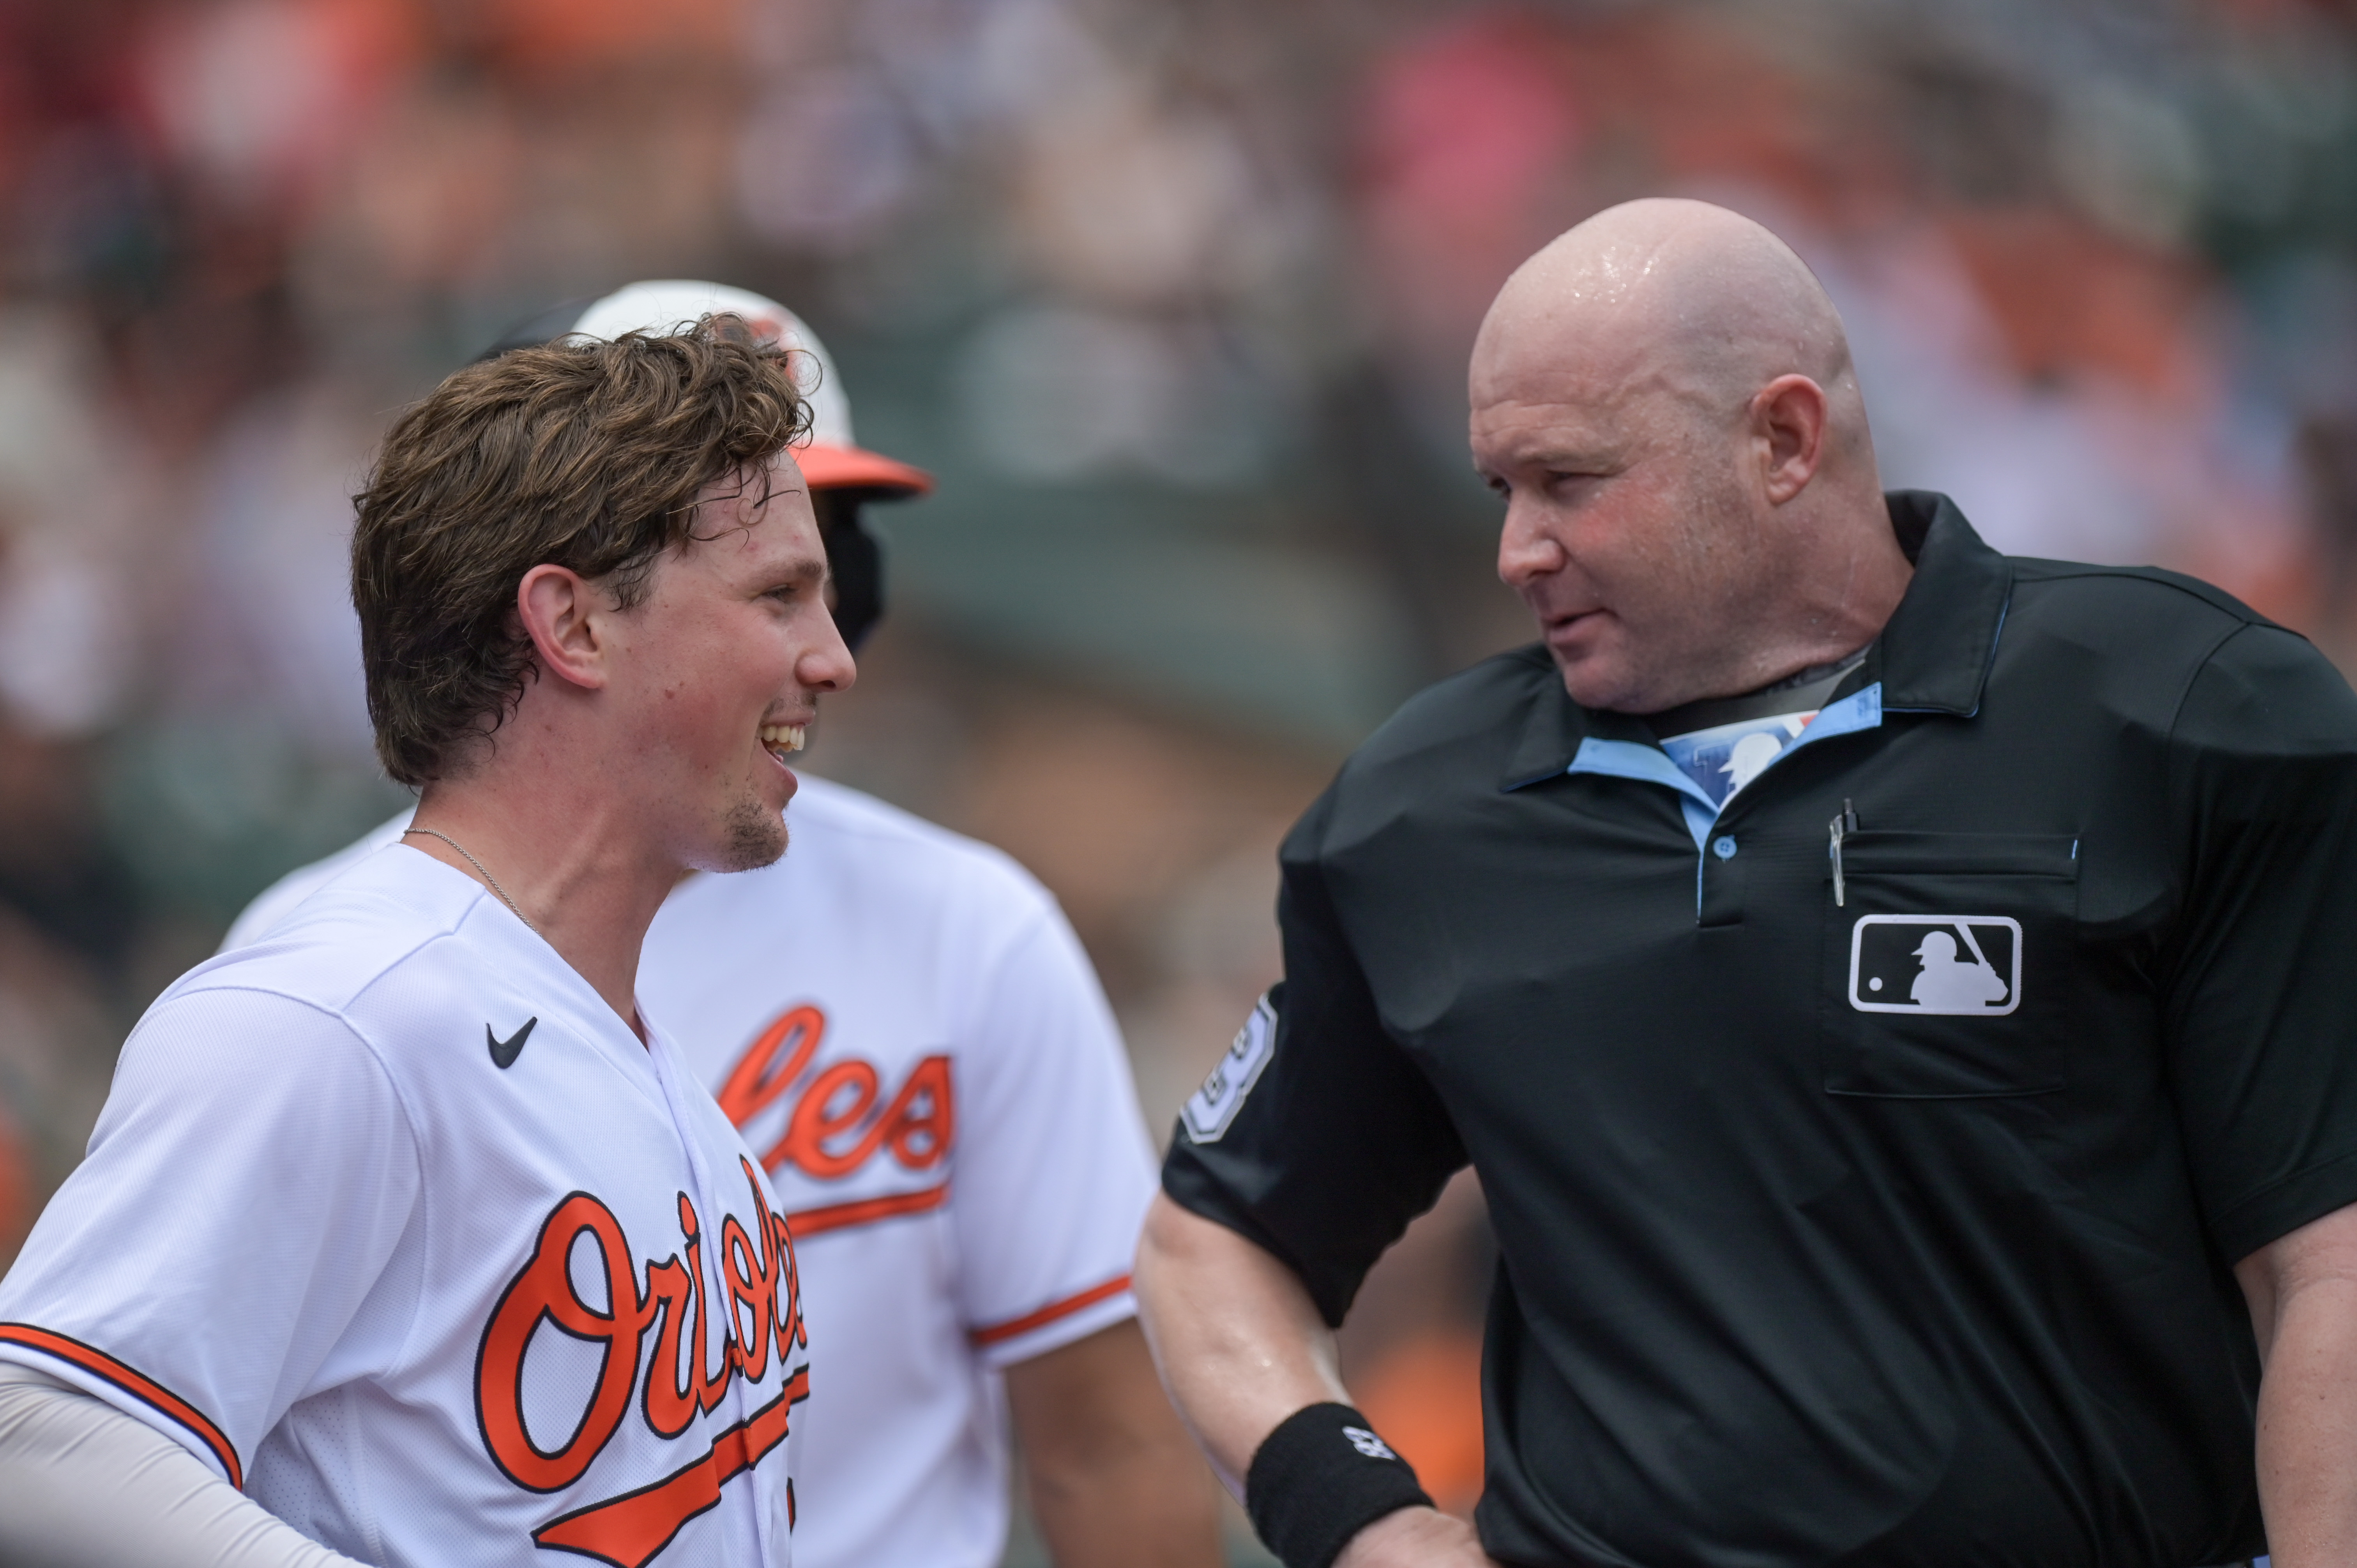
(905, 1029)
(391, 1219)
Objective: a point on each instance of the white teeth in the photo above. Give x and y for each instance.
(783, 737)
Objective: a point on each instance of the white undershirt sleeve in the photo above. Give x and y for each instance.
(84, 1486)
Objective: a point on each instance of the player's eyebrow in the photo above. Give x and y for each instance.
(809, 571)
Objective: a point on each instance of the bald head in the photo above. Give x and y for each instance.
(1699, 300)
(1664, 396)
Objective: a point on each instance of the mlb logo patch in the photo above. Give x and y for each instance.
(1957, 965)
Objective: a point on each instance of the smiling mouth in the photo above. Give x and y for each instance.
(781, 741)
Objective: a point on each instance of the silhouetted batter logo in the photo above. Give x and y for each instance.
(1961, 966)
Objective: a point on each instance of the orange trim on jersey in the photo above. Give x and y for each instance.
(98, 1364)
(866, 1211)
(998, 1333)
(629, 1530)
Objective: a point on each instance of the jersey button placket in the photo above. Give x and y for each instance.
(1723, 870)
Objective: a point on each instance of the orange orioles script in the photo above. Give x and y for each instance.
(763, 1316)
(839, 1119)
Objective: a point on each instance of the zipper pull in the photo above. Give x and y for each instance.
(1847, 820)
(1849, 817)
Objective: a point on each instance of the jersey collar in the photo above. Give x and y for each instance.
(555, 993)
(1933, 656)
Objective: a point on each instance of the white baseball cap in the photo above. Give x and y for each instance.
(832, 458)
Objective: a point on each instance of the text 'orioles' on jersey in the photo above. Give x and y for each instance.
(918, 1051)
(404, 1230)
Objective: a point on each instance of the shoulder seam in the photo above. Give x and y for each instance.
(2216, 598)
(2185, 695)
(376, 1057)
(2209, 657)
(437, 932)
(391, 1082)
(441, 933)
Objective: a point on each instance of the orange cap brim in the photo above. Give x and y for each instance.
(855, 467)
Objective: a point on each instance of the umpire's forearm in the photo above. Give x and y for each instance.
(2307, 1429)
(2302, 1290)
(1238, 1341)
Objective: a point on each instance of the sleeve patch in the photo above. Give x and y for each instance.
(1212, 1109)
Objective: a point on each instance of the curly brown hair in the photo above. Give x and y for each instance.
(584, 454)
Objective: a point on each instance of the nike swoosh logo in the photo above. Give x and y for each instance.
(504, 1052)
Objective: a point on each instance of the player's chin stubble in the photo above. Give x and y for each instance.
(751, 837)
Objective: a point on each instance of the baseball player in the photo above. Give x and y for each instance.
(904, 1027)
(410, 1223)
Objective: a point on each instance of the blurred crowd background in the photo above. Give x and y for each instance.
(1174, 297)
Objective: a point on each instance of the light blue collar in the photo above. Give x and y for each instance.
(1649, 763)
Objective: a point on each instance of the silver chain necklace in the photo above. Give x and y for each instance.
(493, 882)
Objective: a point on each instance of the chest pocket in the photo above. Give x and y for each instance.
(1947, 965)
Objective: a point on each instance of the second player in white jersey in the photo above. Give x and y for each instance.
(415, 1088)
(909, 1034)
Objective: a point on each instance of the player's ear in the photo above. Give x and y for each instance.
(562, 613)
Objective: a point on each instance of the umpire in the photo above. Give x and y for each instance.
(1900, 999)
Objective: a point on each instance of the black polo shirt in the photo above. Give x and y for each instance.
(1888, 1228)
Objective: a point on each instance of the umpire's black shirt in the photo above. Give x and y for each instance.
(1797, 1270)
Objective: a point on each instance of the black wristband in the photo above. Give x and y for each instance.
(1318, 1480)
